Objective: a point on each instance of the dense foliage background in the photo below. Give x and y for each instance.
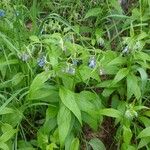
(74, 74)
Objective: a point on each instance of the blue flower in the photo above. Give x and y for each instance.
(75, 62)
(92, 62)
(41, 61)
(125, 50)
(2, 13)
(25, 57)
(70, 70)
(17, 13)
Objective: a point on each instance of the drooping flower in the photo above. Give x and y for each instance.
(75, 62)
(17, 13)
(126, 50)
(24, 57)
(70, 70)
(2, 13)
(41, 61)
(92, 62)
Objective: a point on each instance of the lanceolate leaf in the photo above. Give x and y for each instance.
(68, 99)
(93, 12)
(144, 133)
(122, 73)
(64, 122)
(75, 144)
(39, 80)
(97, 144)
(110, 112)
(132, 87)
(127, 135)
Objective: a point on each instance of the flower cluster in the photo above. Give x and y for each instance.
(41, 61)
(24, 57)
(92, 62)
(2, 13)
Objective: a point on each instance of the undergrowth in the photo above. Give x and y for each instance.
(74, 74)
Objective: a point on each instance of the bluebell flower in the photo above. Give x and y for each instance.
(70, 70)
(2, 13)
(75, 62)
(92, 62)
(125, 50)
(41, 61)
(17, 13)
(24, 57)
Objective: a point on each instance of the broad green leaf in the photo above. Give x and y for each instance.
(118, 61)
(51, 146)
(34, 38)
(108, 91)
(92, 119)
(147, 113)
(144, 78)
(45, 93)
(132, 87)
(69, 100)
(64, 122)
(110, 112)
(6, 110)
(145, 121)
(8, 132)
(143, 142)
(42, 139)
(87, 73)
(139, 55)
(17, 78)
(93, 12)
(97, 144)
(127, 135)
(4, 146)
(75, 144)
(122, 73)
(144, 133)
(39, 80)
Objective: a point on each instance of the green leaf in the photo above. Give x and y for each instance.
(143, 142)
(4, 146)
(64, 122)
(144, 133)
(6, 110)
(118, 61)
(110, 112)
(127, 135)
(75, 144)
(8, 132)
(93, 12)
(38, 81)
(97, 144)
(8, 62)
(132, 87)
(68, 99)
(122, 73)
(17, 78)
(34, 38)
(144, 78)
